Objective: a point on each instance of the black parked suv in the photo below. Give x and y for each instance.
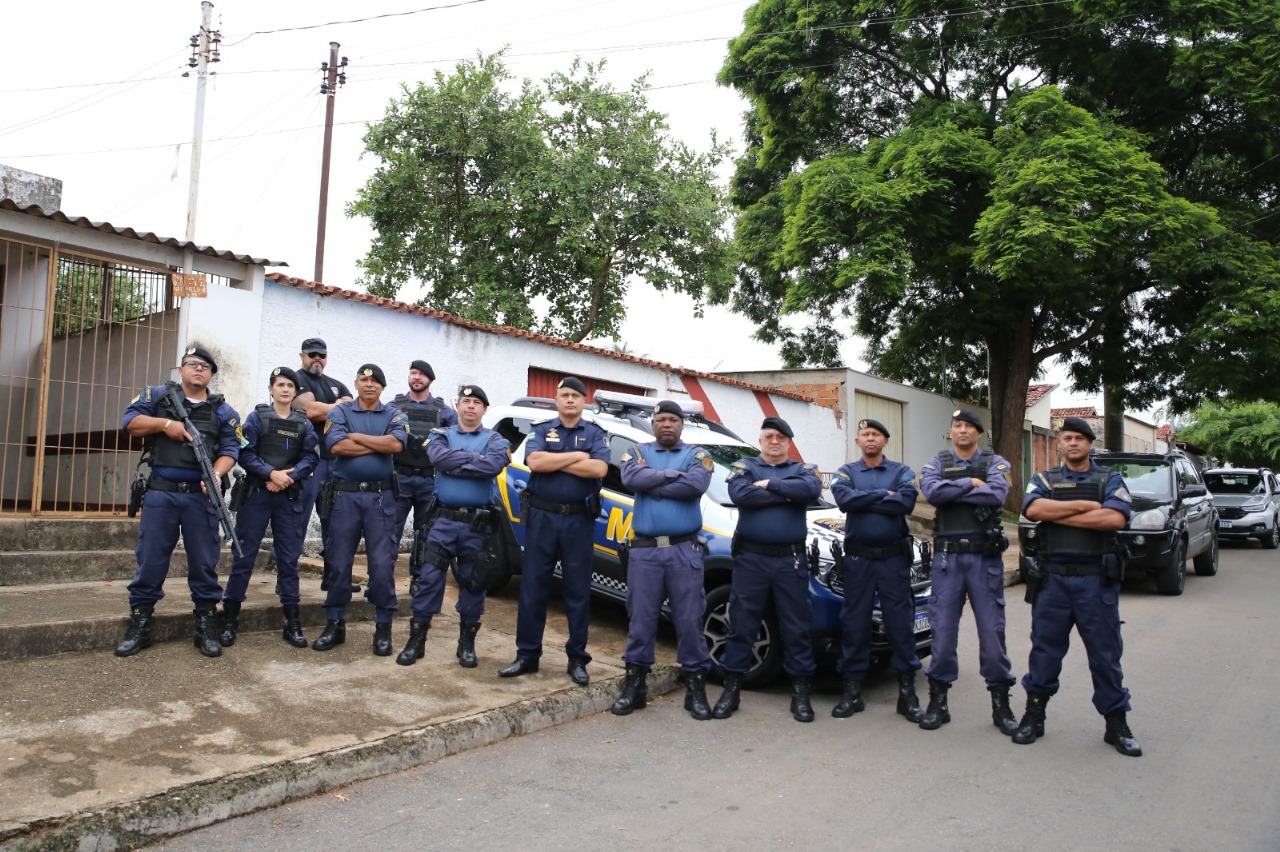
(1174, 518)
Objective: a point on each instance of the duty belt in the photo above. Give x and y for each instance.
(157, 483)
(253, 483)
(557, 508)
(415, 471)
(771, 549)
(1073, 570)
(351, 485)
(662, 540)
(873, 552)
(461, 513)
(960, 545)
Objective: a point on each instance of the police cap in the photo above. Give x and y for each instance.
(424, 368)
(964, 415)
(282, 373)
(473, 392)
(777, 424)
(315, 344)
(374, 372)
(873, 424)
(199, 352)
(1078, 424)
(666, 406)
(573, 384)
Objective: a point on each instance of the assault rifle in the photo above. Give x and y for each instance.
(212, 485)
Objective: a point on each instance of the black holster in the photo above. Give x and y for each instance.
(484, 568)
(814, 554)
(624, 556)
(324, 499)
(395, 485)
(735, 545)
(239, 492)
(908, 550)
(593, 505)
(1033, 577)
(997, 542)
(1113, 565)
(136, 490)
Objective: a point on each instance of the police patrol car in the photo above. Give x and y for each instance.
(626, 420)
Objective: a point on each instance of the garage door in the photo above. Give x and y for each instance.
(887, 411)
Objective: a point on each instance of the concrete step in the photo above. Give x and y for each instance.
(49, 534)
(18, 568)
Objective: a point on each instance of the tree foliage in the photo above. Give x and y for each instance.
(1245, 434)
(535, 206)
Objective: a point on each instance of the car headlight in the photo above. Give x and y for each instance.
(1151, 519)
(1256, 506)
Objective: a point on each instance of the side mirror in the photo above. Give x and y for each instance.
(1192, 491)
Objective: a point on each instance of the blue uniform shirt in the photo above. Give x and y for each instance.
(229, 443)
(466, 463)
(938, 491)
(253, 463)
(1114, 496)
(668, 486)
(875, 517)
(552, 436)
(774, 515)
(348, 417)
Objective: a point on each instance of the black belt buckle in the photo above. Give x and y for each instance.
(564, 508)
(363, 486)
(184, 487)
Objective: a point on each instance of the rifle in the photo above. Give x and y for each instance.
(212, 486)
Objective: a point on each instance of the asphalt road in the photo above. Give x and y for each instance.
(1202, 670)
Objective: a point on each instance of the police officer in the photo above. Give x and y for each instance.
(1079, 506)
(466, 457)
(772, 494)
(664, 559)
(967, 486)
(364, 435)
(175, 500)
(415, 477)
(877, 495)
(317, 395)
(567, 458)
(278, 456)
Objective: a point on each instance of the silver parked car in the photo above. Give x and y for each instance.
(1248, 501)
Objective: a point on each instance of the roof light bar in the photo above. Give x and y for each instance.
(617, 403)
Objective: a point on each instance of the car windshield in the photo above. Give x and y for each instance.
(1144, 479)
(725, 455)
(1235, 483)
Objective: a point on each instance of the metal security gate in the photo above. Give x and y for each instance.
(79, 336)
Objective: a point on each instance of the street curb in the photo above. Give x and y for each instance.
(132, 825)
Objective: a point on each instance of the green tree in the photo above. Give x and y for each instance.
(1246, 434)
(88, 294)
(535, 208)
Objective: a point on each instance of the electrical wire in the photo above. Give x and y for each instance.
(356, 20)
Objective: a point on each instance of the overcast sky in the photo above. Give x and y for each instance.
(92, 93)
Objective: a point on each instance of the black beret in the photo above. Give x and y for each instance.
(315, 344)
(282, 373)
(666, 406)
(473, 392)
(573, 384)
(425, 368)
(372, 370)
(203, 354)
(966, 416)
(779, 424)
(1078, 424)
(873, 424)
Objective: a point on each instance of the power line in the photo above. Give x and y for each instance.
(356, 20)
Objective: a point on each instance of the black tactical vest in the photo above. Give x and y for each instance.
(1063, 544)
(166, 452)
(280, 439)
(422, 419)
(956, 518)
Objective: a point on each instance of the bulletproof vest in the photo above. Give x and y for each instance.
(957, 518)
(422, 419)
(666, 516)
(169, 453)
(280, 439)
(1063, 544)
(462, 491)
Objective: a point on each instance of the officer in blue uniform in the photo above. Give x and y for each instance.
(877, 495)
(466, 458)
(175, 499)
(415, 476)
(664, 559)
(317, 395)
(364, 435)
(967, 486)
(567, 458)
(278, 456)
(1079, 506)
(772, 494)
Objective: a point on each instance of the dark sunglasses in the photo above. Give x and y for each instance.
(317, 355)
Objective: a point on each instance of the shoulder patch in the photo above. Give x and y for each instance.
(327, 424)
(840, 474)
(738, 468)
(399, 418)
(626, 457)
(1122, 493)
(1031, 486)
(1002, 466)
(705, 457)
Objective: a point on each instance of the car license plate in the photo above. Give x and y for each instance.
(922, 623)
(1224, 524)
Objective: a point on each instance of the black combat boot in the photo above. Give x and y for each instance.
(467, 645)
(382, 640)
(292, 632)
(335, 633)
(1032, 725)
(938, 713)
(206, 639)
(695, 697)
(635, 692)
(908, 703)
(1119, 735)
(230, 623)
(731, 696)
(850, 700)
(801, 708)
(414, 648)
(1001, 712)
(138, 636)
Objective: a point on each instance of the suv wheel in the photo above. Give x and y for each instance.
(1207, 562)
(1271, 540)
(1172, 578)
(767, 650)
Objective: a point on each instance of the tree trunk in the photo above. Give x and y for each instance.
(1113, 377)
(1010, 375)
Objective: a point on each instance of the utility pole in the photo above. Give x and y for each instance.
(335, 75)
(204, 51)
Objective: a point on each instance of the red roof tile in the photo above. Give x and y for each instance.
(1081, 411)
(1035, 393)
(1163, 433)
